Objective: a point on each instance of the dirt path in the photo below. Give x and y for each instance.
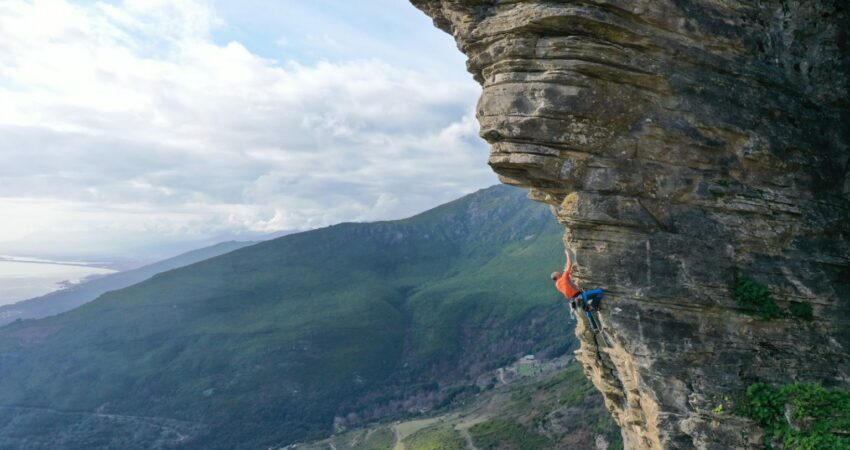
(464, 425)
(468, 437)
(398, 444)
(481, 414)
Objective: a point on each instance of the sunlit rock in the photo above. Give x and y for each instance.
(683, 144)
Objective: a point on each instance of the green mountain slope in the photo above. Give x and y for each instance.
(72, 297)
(558, 408)
(281, 341)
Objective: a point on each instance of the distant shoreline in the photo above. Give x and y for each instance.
(22, 279)
(25, 259)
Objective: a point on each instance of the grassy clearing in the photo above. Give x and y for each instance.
(405, 429)
(439, 437)
(497, 434)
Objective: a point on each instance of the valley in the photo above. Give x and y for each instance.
(555, 408)
(291, 339)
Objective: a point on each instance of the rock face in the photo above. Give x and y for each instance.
(683, 144)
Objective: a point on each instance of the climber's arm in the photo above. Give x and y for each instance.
(568, 267)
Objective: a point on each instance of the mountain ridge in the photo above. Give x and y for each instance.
(286, 339)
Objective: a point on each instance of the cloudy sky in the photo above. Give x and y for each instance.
(146, 127)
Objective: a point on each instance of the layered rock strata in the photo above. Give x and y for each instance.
(683, 144)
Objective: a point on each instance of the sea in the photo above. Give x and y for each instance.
(22, 278)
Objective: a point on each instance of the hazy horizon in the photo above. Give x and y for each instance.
(26, 277)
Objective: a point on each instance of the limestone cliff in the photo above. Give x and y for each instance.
(683, 144)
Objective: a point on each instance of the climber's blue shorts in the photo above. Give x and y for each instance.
(590, 300)
(592, 297)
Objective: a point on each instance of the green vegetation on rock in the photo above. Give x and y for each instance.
(799, 416)
(751, 294)
(802, 310)
(756, 297)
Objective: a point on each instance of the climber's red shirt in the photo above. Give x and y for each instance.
(566, 286)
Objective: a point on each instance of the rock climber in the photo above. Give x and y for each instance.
(587, 300)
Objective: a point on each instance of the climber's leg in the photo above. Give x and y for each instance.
(592, 320)
(579, 303)
(588, 298)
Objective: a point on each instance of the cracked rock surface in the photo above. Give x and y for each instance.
(683, 143)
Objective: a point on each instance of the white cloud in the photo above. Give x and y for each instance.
(127, 123)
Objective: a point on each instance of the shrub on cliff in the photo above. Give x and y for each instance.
(802, 310)
(799, 416)
(754, 295)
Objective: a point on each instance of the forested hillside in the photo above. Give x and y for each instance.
(284, 340)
